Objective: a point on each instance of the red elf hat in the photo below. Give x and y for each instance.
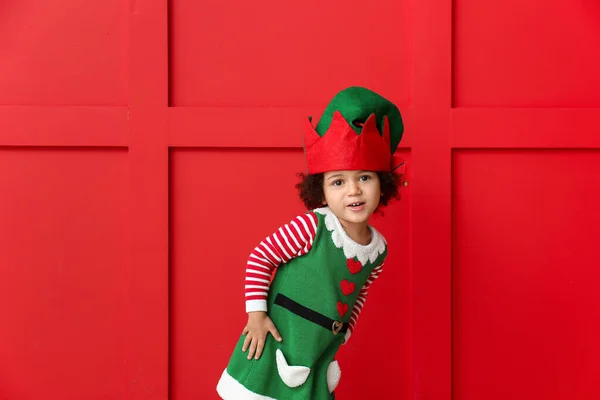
(359, 130)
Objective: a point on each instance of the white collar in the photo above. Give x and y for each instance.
(352, 249)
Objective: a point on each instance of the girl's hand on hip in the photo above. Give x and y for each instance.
(256, 330)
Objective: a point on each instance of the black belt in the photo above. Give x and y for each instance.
(334, 326)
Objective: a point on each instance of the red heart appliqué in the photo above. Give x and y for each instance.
(347, 287)
(342, 308)
(353, 266)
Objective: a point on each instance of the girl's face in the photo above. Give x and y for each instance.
(351, 195)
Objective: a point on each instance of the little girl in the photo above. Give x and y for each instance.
(327, 258)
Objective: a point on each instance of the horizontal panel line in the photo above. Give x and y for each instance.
(541, 149)
(528, 146)
(64, 126)
(240, 106)
(233, 146)
(524, 147)
(246, 127)
(543, 108)
(63, 147)
(525, 128)
(250, 147)
(65, 105)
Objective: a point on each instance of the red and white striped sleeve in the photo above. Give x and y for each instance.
(361, 300)
(291, 240)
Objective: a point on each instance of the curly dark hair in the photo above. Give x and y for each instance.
(310, 189)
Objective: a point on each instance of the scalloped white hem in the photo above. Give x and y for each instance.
(230, 389)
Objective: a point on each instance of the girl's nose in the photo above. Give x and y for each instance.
(354, 188)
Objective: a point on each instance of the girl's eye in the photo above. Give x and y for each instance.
(336, 183)
(364, 178)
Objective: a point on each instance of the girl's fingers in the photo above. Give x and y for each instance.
(246, 343)
(275, 333)
(259, 348)
(252, 348)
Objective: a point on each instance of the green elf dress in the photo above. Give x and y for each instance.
(322, 274)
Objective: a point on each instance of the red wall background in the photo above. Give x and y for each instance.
(146, 146)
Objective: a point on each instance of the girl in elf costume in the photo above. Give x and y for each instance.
(326, 258)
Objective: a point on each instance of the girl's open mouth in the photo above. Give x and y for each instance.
(356, 206)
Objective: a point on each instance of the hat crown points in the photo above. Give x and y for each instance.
(358, 130)
(341, 132)
(341, 146)
(358, 104)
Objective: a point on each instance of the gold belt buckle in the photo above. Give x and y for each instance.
(336, 327)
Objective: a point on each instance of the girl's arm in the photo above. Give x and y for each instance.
(360, 301)
(291, 240)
